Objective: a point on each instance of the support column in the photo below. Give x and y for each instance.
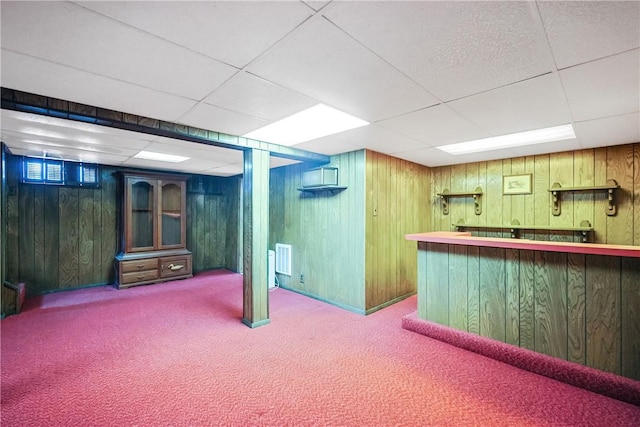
(255, 190)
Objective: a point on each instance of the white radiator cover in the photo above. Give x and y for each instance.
(283, 259)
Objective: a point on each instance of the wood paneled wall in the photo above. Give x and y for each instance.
(397, 203)
(576, 168)
(581, 308)
(211, 228)
(326, 232)
(350, 245)
(60, 238)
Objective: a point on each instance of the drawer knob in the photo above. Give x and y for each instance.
(140, 266)
(175, 267)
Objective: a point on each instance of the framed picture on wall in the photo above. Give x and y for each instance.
(517, 184)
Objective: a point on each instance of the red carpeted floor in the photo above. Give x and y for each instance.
(177, 354)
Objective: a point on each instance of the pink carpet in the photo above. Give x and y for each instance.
(177, 354)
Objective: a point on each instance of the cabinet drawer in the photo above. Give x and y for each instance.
(139, 276)
(139, 265)
(175, 266)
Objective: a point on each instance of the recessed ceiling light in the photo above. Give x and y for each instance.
(539, 136)
(315, 122)
(160, 157)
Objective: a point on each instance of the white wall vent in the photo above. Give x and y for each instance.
(283, 259)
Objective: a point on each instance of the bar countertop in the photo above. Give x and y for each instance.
(465, 238)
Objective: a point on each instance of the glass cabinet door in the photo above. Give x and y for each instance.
(141, 211)
(171, 218)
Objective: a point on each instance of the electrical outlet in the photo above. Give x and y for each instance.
(301, 278)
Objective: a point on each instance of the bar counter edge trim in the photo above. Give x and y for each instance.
(465, 238)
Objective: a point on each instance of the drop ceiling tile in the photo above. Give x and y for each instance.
(17, 139)
(234, 32)
(549, 147)
(68, 154)
(151, 164)
(439, 125)
(320, 61)
(253, 96)
(581, 31)
(195, 150)
(275, 162)
(70, 137)
(329, 145)
(218, 119)
(431, 157)
(18, 121)
(533, 104)
(34, 75)
(316, 5)
(229, 170)
(623, 129)
(453, 49)
(603, 88)
(374, 138)
(67, 34)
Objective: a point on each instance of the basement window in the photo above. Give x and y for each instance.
(59, 172)
(44, 171)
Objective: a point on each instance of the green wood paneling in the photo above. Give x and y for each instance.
(109, 234)
(458, 294)
(527, 297)
(39, 238)
(550, 303)
(422, 279)
(492, 293)
(576, 308)
(436, 299)
(581, 308)
(603, 313)
(326, 231)
(26, 234)
(630, 311)
(68, 266)
(512, 293)
(85, 236)
(473, 289)
(51, 233)
(212, 223)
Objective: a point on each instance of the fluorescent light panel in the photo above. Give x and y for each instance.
(539, 136)
(160, 157)
(315, 122)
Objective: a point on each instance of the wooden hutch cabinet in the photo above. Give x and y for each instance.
(152, 230)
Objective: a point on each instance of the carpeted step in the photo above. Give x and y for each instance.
(605, 383)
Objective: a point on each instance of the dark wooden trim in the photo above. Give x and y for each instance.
(37, 104)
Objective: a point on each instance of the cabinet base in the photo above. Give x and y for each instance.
(152, 267)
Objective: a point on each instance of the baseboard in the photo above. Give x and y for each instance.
(92, 285)
(388, 303)
(337, 304)
(253, 325)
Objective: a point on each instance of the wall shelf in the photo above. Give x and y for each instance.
(320, 188)
(515, 227)
(477, 194)
(556, 190)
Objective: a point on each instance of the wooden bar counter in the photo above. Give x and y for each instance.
(575, 301)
